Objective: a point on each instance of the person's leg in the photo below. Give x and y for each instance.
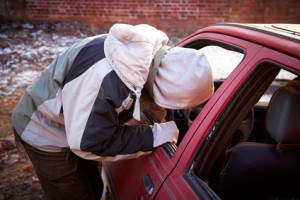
(94, 176)
(64, 175)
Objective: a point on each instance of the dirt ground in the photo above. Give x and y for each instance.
(17, 177)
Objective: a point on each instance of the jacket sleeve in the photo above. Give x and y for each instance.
(102, 137)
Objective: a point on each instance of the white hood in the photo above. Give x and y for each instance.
(130, 50)
(184, 79)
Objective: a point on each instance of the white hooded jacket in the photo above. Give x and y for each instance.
(84, 98)
(80, 102)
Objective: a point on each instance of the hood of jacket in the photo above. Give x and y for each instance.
(129, 50)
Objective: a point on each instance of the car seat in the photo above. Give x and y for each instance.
(258, 170)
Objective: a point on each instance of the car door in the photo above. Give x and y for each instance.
(163, 173)
(200, 161)
(183, 183)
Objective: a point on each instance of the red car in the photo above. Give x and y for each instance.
(244, 142)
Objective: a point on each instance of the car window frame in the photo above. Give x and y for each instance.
(225, 41)
(237, 98)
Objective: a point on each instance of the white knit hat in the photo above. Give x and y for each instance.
(184, 79)
(129, 50)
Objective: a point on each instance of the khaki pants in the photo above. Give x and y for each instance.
(63, 175)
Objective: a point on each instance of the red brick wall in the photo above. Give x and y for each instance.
(265, 11)
(176, 17)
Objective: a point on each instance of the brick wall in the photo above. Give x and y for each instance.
(176, 17)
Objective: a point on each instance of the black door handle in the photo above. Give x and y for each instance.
(148, 184)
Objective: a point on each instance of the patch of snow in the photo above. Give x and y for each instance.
(8, 84)
(27, 26)
(30, 50)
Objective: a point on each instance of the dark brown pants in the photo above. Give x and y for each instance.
(63, 175)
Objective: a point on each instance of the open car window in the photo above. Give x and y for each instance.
(221, 60)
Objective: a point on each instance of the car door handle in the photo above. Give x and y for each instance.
(148, 184)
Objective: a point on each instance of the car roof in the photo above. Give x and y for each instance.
(288, 31)
(282, 37)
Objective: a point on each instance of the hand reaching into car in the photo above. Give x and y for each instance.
(164, 132)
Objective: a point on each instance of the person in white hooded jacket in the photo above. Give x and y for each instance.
(75, 114)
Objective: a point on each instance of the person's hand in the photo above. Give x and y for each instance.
(164, 132)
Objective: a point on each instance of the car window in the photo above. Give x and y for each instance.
(221, 60)
(224, 61)
(281, 79)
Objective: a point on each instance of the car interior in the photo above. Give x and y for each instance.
(260, 168)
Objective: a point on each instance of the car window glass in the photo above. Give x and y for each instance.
(221, 60)
(281, 79)
(285, 75)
